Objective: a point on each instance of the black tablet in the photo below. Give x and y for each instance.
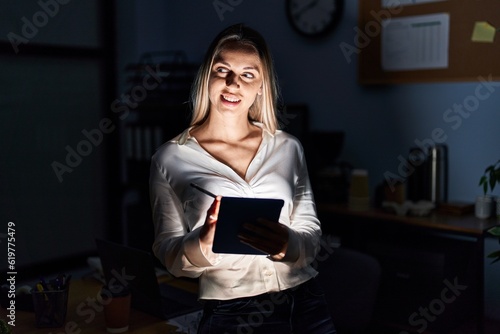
(236, 211)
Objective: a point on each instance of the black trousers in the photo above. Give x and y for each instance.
(299, 310)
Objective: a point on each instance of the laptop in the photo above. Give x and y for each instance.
(136, 269)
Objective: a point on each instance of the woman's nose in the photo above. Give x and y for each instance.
(232, 79)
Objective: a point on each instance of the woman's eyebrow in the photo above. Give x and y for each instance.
(250, 67)
(255, 68)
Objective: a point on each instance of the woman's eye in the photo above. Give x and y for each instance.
(248, 75)
(221, 70)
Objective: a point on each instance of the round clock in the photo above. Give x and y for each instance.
(314, 17)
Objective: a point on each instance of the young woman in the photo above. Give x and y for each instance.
(234, 148)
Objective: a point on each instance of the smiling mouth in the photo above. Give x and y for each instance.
(230, 99)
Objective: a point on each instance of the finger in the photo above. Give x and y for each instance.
(255, 244)
(278, 234)
(217, 205)
(270, 225)
(263, 247)
(269, 246)
(213, 211)
(208, 229)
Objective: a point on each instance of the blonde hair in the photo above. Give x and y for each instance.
(265, 107)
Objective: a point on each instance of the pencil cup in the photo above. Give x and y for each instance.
(116, 300)
(50, 307)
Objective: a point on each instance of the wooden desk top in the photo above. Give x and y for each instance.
(466, 224)
(85, 315)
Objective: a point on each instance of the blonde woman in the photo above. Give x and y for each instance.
(234, 148)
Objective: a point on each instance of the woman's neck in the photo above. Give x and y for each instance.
(225, 129)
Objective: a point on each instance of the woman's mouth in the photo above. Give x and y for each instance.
(230, 99)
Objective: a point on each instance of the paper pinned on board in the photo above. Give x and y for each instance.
(415, 42)
(483, 32)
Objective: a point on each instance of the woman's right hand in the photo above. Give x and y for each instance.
(207, 231)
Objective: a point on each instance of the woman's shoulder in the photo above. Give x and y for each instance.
(288, 138)
(170, 147)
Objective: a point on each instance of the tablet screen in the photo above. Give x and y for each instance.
(236, 211)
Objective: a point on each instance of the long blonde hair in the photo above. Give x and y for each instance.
(265, 107)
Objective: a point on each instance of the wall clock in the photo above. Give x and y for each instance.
(313, 18)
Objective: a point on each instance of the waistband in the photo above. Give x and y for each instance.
(213, 303)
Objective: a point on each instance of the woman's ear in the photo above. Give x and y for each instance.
(260, 91)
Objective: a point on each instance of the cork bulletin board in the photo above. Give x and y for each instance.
(469, 55)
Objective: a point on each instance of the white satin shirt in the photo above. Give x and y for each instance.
(278, 170)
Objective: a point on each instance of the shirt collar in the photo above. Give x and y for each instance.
(184, 136)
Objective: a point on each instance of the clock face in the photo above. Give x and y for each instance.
(313, 17)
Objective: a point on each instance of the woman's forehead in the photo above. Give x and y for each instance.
(235, 46)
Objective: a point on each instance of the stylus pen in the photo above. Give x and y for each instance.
(194, 185)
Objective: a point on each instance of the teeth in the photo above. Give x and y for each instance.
(230, 99)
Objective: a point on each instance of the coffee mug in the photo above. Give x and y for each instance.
(116, 301)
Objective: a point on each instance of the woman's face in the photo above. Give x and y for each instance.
(235, 80)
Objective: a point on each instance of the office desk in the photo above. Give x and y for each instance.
(467, 225)
(85, 315)
(417, 255)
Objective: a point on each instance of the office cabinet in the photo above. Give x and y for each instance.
(154, 110)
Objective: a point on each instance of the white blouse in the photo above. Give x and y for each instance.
(278, 170)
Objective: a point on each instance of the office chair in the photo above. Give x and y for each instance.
(350, 280)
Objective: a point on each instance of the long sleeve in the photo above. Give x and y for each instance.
(305, 229)
(175, 245)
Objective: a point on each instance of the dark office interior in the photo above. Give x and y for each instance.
(89, 89)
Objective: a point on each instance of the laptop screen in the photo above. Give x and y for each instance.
(135, 269)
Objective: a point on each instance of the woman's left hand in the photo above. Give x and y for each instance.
(267, 236)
